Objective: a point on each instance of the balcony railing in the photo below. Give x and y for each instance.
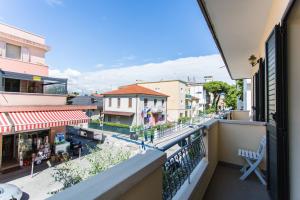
(181, 163)
(188, 96)
(188, 107)
(157, 109)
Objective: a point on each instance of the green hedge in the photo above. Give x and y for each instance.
(184, 119)
(116, 124)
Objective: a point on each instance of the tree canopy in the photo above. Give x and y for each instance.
(216, 88)
(231, 93)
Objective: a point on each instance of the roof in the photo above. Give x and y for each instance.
(45, 108)
(87, 100)
(128, 114)
(146, 82)
(134, 89)
(97, 95)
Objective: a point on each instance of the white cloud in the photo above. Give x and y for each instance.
(54, 2)
(107, 79)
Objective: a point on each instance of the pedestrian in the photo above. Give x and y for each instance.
(143, 145)
(145, 135)
(151, 136)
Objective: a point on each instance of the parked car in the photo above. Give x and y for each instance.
(10, 192)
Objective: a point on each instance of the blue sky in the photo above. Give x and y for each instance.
(97, 35)
(112, 33)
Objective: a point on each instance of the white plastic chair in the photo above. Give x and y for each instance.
(253, 160)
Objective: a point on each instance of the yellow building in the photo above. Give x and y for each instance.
(178, 92)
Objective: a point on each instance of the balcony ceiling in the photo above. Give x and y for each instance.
(237, 27)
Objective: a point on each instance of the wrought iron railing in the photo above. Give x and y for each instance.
(182, 162)
(163, 132)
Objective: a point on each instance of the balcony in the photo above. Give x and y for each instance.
(188, 107)
(157, 109)
(18, 66)
(188, 96)
(18, 98)
(206, 166)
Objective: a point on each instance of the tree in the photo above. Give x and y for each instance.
(216, 88)
(231, 97)
(100, 159)
(240, 88)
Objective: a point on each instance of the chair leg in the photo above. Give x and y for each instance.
(260, 176)
(249, 171)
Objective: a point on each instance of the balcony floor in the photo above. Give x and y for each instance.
(225, 184)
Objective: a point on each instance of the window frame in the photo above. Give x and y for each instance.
(129, 102)
(119, 102)
(109, 102)
(13, 45)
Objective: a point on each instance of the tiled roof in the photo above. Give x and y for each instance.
(45, 108)
(134, 89)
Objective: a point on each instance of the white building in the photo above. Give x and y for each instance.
(135, 105)
(197, 91)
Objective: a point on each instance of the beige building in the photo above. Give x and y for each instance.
(179, 101)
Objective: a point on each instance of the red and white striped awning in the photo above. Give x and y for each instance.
(24, 121)
(5, 125)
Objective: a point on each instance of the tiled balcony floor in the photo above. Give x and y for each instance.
(225, 184)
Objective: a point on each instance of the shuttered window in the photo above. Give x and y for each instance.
(271, 77)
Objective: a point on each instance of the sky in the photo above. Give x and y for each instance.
(102, 44)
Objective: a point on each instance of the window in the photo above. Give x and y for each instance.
(130, 103)
(109, 102)
(162, 102)
(155, 102)
(12, 85)
(145, 102)
(13, 51)
(119, 102)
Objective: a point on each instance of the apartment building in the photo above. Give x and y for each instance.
(197, 90)
(33, 106)
(135, 105)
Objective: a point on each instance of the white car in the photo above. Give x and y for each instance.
(10, 192)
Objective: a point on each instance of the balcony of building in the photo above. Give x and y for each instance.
(202, 164)
(25, 89)
(19, 66)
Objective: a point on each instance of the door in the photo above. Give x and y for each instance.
(275, 115)
(8, 148)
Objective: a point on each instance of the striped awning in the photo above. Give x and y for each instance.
(5, 125)
(24, 121)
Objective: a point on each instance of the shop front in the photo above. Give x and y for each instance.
(34, 134)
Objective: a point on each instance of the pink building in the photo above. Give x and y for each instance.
(33, 110)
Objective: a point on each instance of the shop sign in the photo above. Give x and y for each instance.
(36, 78)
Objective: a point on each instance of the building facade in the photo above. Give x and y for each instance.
(197, 91)
(185, 99)
(33, 106)
(135, 105)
